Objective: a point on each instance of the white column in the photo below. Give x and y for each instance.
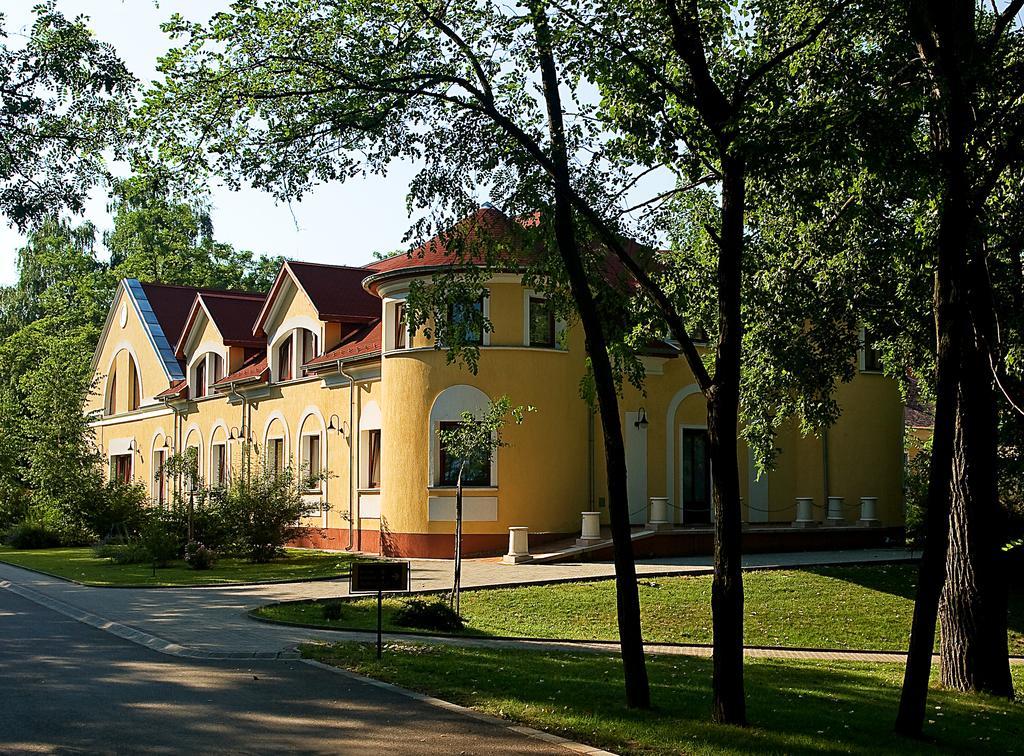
(835, 510)
(804, 513)
(591, 530)
(518, 546)
(869, 511)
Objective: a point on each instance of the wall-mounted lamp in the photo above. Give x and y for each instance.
(641, 420)
(336, 424)
(132, 446)
(235, 434)
(166, 446)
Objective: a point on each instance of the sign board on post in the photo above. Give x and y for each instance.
(379, 578)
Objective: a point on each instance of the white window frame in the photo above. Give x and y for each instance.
(560, 324)
(270, 460)
(214, 482)
(304, 458)
(862, 355)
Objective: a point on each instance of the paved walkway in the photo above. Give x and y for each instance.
(212, 621)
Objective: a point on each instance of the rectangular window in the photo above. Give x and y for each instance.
(275, 454)
(460, 315)
(400, 327)
(121, 467)
(872, 356)
(311, 462)
(218, 465)
(284, 360)
(200, 387)
(542, 323)
(473, 473)
(159, 479)
(308, 346)
(373, 458)
(218, 368)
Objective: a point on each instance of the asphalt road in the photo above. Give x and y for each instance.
(69, 688)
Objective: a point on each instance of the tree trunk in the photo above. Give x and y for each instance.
(729, 701)
(626, 591)
(973, 609)
(951, 128)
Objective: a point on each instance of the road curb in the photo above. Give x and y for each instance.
(440, 703)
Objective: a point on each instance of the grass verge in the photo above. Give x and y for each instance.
(794, 707)
(852, 607)
(82, 565)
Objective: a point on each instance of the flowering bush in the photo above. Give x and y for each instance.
(198, 556)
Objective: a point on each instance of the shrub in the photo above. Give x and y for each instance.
(31, 534)
(428, 615)
(198, 556)
(160, 540)
(332, 611)
(915, 487)
(263, 509)
(116, 508)
(132, 552)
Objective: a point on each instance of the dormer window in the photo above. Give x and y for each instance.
(207, 371)
(284, 360)
(401, 329)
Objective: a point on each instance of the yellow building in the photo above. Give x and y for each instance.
(322, 372)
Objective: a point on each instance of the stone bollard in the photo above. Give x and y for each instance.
(658, 519)
(591, 531)
(835, 510)
(518, 546)
(869, 511)
(804, 513)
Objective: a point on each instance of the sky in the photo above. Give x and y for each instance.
(338, 223)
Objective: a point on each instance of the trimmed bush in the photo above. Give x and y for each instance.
(31, 535)
(198, 556)
(332, 611)
(132, 552)
(428, 615)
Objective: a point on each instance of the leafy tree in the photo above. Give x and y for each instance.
(64, 99)
(472, 445)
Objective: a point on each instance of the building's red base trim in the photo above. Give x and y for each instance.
(421, 545)
(761, 541)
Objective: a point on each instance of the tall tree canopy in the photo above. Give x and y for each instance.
(64, 100)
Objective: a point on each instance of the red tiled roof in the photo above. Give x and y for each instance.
(365, 340)
(455, 246)
(234, 315)
(176, 389)
(254, 369)
(171, 305)
(232, 312)
(336, 291)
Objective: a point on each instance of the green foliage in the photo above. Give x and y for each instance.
(31, 534)
(332, 611)
(161, 539)
(262, 508)
(65, 101)
(428, 615)
(915, 489)
(116, 508)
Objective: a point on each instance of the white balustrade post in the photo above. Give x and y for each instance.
(869, 511)
(804, 513)
(518, 546)
(658, 518)
(835, 510)
(591, 530)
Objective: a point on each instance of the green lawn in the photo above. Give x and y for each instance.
(794, 707)
(854, 607)
(82, 565)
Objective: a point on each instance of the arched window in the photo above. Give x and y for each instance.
(134, 385)
(284, 360)
(445, 414)
(206, 371)
(309, 345)
(111, 404)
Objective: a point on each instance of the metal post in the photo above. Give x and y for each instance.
(380, 596)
